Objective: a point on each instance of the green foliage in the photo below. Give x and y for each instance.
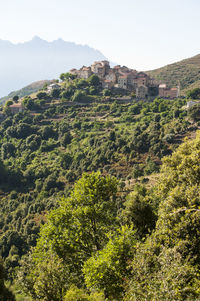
(78, 96)
(55, 93)
(42, 95)
(108, 268)
(7, 150)
(66, 139)
(194, 93)
(72, 233)
(28, 103)
(186, 71)
(94, 80)
(140, 211)
(77, 294)
(32, 88)
(5, 293)
(194, 112)
(66, 76)
(106, 92)
(163, 277)
(166, 266)
(44, 152)
(15, 98)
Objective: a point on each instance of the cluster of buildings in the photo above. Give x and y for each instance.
(125, 78)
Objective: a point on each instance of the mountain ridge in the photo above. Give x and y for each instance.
(35, 60)
(186, 72)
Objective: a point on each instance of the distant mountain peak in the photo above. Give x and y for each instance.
(38, 59)
(37, 38)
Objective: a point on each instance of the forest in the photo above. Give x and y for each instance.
(99, 196)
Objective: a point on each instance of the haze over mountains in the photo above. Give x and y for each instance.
(23, 63)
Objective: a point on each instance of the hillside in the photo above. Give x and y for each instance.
(38, 59)
(75, 130)
(187, 72)
(32, 88)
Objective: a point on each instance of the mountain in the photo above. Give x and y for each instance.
(186, 71)
(23, 63)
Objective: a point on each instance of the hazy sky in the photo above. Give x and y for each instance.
(142, 34)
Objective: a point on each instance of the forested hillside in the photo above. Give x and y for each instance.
(32, 88)
(185, 72)
(99, 229)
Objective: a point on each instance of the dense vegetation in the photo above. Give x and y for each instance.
(187, 72)
(94, 232)
(96, 245)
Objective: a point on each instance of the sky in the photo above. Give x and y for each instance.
(141, 34)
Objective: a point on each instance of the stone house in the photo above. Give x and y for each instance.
(111, 76)
(107, 84)
(119, 77)
(75, 72)
(166, 92)
(16, 108)
(142, 79)
(142, 92)
(123, 82)
(53, 86)
(100, 68)
(85, 72)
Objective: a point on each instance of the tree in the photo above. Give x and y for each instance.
(108, 268)
(65, 76)
(9, 103)
(28, 103)
(79, 226)
(166, 266)
(139, 211)
(66, 139)
(194, 93)
(5, 293)
(106, 92)
(194, 112)
(78, 96)
(55, 93)
(75, 293)
(42, 95)
(7, 150)
(15, 98)
(94, 80)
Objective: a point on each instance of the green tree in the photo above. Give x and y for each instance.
(94, 80)
(78, 96)
(108, 268)
(79, 226)
(139, 211)
(166, 266)
(66, 139)
(75, 293)
(194, 112)
(194, 93)
(42, 95)
(55, 93)
(5, 293)
(15, 98)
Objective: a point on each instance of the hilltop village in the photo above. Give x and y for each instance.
(125, 78)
